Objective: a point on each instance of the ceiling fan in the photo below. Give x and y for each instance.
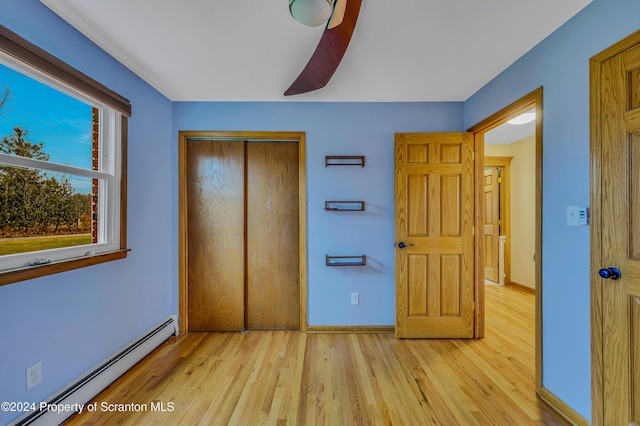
(341, 17)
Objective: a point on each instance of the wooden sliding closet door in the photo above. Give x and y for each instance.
(243, 232)
(216, 234)
(273, 265)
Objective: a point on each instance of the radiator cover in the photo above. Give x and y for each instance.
(90, 384)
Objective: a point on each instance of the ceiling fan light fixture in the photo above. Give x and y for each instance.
(311, 12)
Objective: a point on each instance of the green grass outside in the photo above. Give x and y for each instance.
(23, 245)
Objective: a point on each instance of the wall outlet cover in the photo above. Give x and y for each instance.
(34, 375)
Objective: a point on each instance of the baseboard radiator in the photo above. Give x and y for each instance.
(94, 381)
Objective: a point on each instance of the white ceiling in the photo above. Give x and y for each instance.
(509, 133)
(252, 50)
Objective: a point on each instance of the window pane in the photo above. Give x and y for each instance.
(56, 126)
(41, 210)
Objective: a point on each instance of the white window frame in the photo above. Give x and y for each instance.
(35, 63)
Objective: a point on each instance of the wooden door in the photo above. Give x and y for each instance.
(273, 263)
(215, 210)
(618, 226)
(434, 235)
(491, 222)
(243, 235)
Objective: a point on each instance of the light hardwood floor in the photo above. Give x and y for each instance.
(284, 377)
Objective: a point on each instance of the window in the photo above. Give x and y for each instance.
(62, 165)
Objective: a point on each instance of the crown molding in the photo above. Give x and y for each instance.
(89, 29)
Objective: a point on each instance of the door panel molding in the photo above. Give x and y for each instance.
(183, 137)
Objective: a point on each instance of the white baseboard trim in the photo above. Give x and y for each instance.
(90, 384)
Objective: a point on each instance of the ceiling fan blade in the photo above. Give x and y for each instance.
(327, 56)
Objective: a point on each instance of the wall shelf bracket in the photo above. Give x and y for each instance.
(344, 160)
(346, 260)
(344, 206)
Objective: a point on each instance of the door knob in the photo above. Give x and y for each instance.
(610, 273)
(402, 244)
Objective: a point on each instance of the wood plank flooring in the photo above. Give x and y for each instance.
(288, 378)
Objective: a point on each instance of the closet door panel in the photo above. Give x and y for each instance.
(272, 299)
(216, 226)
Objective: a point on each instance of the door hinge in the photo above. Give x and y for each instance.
(499, 180)
(473, 230)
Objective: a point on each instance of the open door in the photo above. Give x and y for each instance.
(615, 233)
(434, 235)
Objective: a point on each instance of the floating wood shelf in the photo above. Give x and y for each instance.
(344, 160)
(346, 260)
(344, 206)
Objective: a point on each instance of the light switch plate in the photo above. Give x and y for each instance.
(577, 216)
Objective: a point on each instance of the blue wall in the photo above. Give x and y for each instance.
(74, 320)
(338, 129)
(560, 64)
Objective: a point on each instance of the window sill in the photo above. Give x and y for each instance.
(30, 272)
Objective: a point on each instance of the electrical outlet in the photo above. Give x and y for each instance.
(355, 298)
(34, 375)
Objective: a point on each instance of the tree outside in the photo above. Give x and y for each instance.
(43, 209)
(36, 203)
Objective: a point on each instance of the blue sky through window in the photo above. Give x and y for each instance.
(62, 122)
